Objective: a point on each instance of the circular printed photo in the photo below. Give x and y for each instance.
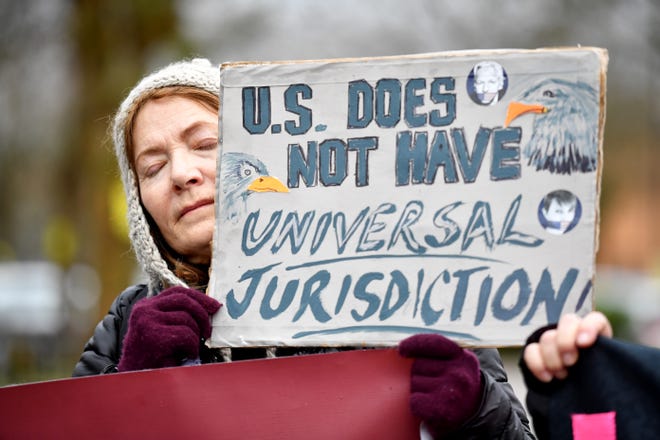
(559, 211)
(487, 83)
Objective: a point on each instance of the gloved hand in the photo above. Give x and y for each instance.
(166, 329)
(445, 382)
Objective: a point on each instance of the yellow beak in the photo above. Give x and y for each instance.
(516, 109)
(267, 184)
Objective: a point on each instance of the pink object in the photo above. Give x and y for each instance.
(600, 426)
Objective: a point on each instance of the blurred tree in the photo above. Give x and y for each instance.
(629, 210)
(28, 142)
(112, 44)
(60, 241)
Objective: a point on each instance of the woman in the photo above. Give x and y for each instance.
(166, 136)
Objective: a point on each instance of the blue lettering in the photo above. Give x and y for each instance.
(524, 291)
(441, 156)
(343, 293)
(413, 101)
(399, 281)
(292, 104)
(333, 158)
(409, 154)
(484, 296)
(256, 113)
(480, 224)
(324, 222)
(311, 296)
(342, 236)
(372, 299)
(299, 166)
(506, 158)
(510, 299)
(451, 229)
(295, 230)
(545, 294)
(411, 214)
(470, 165)
(362, 146)
(236, 308)
(373, 226)
(249, 236)
(510, 236)
(388, 92)
(385, 103)
(360, 104)
(430, 316)
(461, 290)
(436, 118)
(329, 160)
(266, 310)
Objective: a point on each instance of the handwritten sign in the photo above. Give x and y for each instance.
(364, 200)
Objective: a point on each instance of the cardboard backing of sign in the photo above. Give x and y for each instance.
(364, 200)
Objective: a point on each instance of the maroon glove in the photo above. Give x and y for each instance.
(445, 382)
(166, 329)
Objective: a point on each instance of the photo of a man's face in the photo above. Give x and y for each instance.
(487, 83)
(559, 211)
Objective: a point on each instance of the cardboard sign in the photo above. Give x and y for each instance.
(364, 200)
(350, 395)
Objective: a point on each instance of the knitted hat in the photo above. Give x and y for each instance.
(195, 73)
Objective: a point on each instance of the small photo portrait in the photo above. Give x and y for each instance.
(559, 211)
(487, 83)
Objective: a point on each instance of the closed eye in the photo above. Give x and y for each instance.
(207, 144)
(151, 170)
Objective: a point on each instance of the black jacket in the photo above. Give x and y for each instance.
(612, 376)
(501, 415)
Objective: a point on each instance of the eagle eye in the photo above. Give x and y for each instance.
(549, 94)
(247, 169)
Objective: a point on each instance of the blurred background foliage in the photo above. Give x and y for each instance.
(66, 64)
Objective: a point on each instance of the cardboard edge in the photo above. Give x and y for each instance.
(418, 56)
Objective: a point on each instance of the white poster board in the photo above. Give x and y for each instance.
(364, 200)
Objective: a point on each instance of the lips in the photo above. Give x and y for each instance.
(192, 207)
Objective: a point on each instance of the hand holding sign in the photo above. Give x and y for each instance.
(166, 329)
(445, 382)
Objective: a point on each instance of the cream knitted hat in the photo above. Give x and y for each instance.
(198, 73)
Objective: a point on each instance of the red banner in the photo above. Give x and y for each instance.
(348, 395)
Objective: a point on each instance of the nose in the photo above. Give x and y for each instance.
(185, 171)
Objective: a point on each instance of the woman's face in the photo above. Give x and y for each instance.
(175, 147)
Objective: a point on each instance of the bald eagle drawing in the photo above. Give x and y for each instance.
(565, 129)
(242, 175)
